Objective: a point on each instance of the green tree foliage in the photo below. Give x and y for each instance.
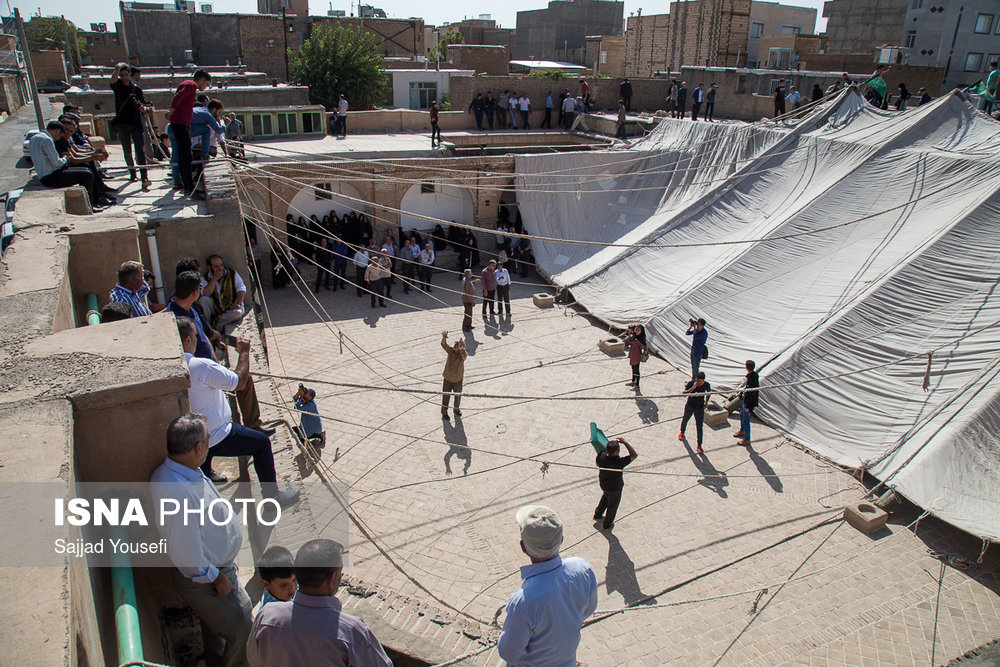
(440, 50)
(49, 33)
(341, 60)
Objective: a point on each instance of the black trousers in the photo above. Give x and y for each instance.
(359, 279)
(628, 104)
(635, 374)
(699, 419)
(488, 299)
(709, 110)
(695, 108)
(547, 121)
(339, 273)
(608, 506)
(322, 272)
(182, 146)
(67, 176)
(243, 441)
(503, 298)
(681, 107)
(129, 136)
(436, 132)
(467, 320)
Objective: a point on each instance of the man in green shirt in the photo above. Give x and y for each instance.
(992, 85)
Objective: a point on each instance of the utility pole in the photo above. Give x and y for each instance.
(67, 54)
(27, 64)
(954, 39)
(284, 37)
(76, 43)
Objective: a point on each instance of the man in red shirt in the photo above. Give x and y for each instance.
(435, 130)
(179, 115)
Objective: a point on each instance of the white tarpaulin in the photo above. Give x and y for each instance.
(851, 240)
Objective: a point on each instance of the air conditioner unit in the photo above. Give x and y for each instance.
(206, 9)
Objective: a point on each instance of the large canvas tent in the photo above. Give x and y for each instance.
(847, 252)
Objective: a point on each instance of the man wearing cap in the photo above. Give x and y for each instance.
(611, 480)
(925, 97)
(468, 298)
(545, 615)
(311, 628)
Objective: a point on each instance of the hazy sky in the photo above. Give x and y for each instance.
(434, 13)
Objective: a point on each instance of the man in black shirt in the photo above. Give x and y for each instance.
(779, 98)
(611, 480)
(750, 395)
(695, 406)
(129, 107)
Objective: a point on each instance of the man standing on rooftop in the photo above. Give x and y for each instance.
(342, 116)
(179, 114)
(545, 615)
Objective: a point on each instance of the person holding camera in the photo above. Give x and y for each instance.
(310, 425)
(699, 350)
(637, 353)
(130, 104)
(695, 406)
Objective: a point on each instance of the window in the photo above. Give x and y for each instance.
(756, 29)
(604, 57)
(312, 122)
(261, 125)
(911, 38)
(973, 62)
(323, 191)
(917, 4)
(788, 29)
(242, 117)
(288, 123)
(422, 93)
(984, 24)
(426, 188)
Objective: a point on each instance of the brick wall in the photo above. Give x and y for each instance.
(262, 44)
(395, 37)
(48, 66)
(613, 46)
(482, 59)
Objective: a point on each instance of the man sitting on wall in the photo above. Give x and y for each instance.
(222, 296)
(133, 289)
(55, 171)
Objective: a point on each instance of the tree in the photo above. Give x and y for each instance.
(48, 33)
(341, 60)
(440, 50)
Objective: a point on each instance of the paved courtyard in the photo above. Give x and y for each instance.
(737, 557)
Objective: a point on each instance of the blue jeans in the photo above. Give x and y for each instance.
(695, 364)
(745, 422)
(620, 133)
(513, 118)
(243, 441)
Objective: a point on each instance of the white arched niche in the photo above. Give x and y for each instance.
(435, 199)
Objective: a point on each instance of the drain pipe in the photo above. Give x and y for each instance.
(126, 613)
(154, 258)
(93, 313)
(122, 578)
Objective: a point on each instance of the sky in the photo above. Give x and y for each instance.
(433, 13)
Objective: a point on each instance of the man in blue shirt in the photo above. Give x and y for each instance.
(699, 350)
(310, 425)
(53, 171)
(545, 615)
(549, 104)
(203, 552)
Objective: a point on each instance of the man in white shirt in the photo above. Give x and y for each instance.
(208, 381)
(513, 106)
(525, 104)
(203, 552)
(426, 266)
(503, 289)
(342, 116)
(361, 259)
(569, 112)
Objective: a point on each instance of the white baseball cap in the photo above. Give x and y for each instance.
(541, 530)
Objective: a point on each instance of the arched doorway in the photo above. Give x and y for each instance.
(435, 199)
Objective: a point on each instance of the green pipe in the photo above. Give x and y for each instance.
(126, 609)
(93, 312)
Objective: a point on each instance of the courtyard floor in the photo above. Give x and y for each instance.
(737, 557)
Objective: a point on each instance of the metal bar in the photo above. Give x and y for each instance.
(93, 313)
(31, 73)
(126, 609)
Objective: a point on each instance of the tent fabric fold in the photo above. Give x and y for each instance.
(837, 251)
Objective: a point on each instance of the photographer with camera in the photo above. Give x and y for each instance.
(310, 426)
(130, 104)
(699, 350)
